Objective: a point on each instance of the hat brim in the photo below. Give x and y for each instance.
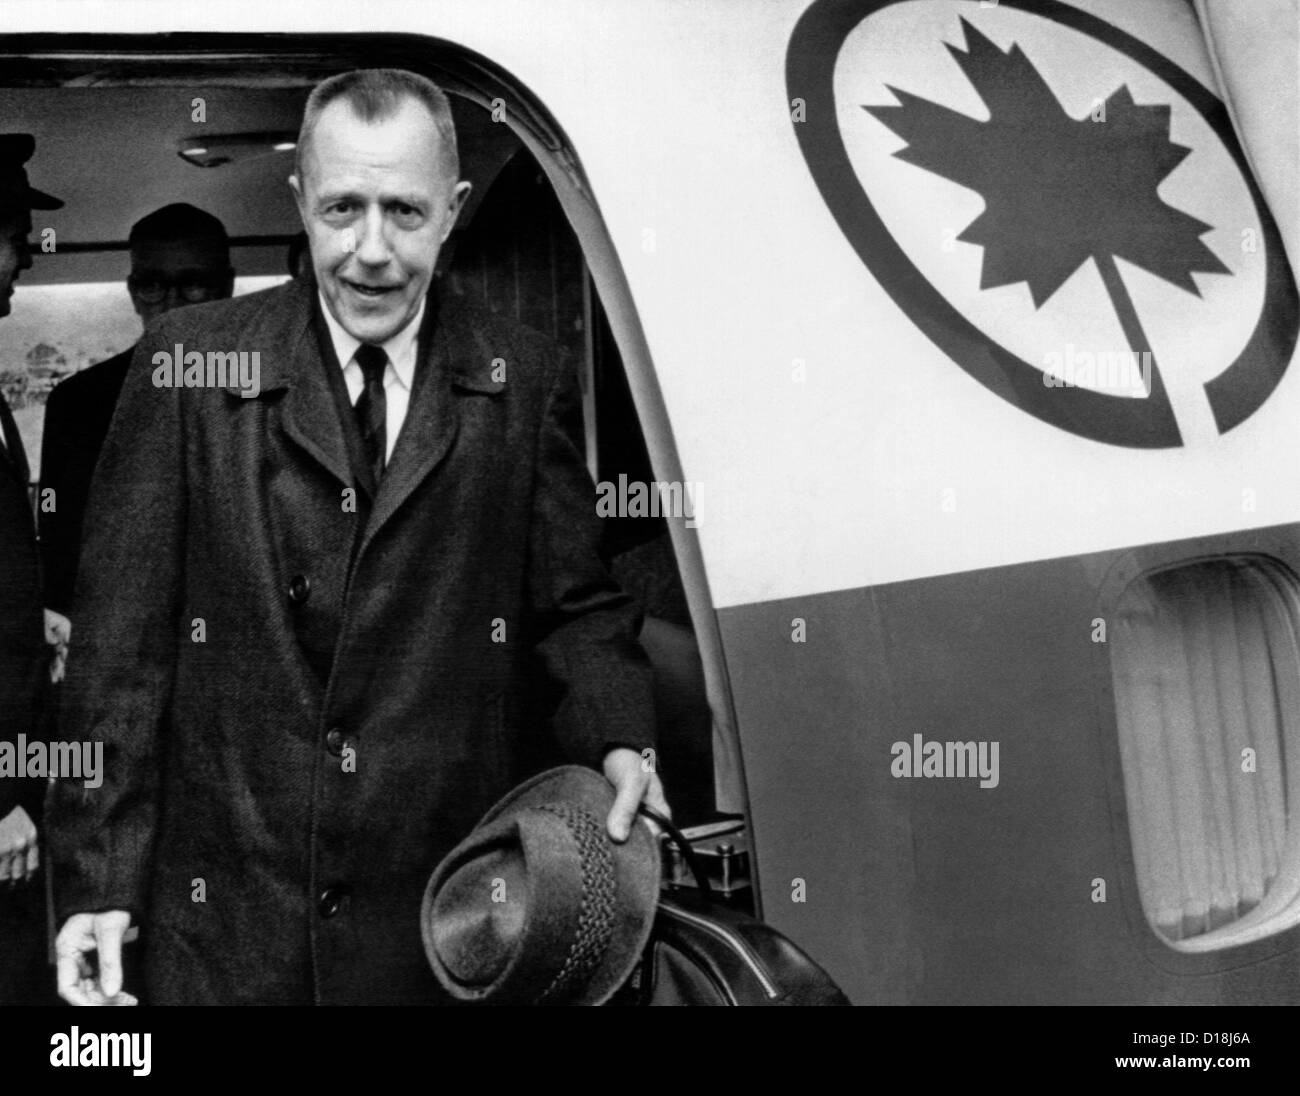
(637, 869)
(38, 199)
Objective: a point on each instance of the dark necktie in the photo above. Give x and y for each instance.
(371, 407)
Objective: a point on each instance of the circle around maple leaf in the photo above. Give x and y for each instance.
(1234, 394)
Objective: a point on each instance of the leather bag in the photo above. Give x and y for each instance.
(704, 953)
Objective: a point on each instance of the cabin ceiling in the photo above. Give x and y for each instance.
(111, 154)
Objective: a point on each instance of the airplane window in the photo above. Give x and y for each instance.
(1207, 684)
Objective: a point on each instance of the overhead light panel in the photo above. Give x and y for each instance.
(215, 151)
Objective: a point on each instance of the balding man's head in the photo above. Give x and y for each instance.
(375, 95)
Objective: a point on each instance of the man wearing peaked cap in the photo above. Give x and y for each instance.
(22, 649)
(17, 199)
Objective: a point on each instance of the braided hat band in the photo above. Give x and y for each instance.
(596, 919)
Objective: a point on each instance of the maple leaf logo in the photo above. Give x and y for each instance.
(1058, 191)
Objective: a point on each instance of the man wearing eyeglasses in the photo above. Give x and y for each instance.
(180, 255)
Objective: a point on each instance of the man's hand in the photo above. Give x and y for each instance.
(83, 933)
(19, 856)
(58, 634)
(634, 780)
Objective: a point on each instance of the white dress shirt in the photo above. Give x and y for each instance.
(399, 373)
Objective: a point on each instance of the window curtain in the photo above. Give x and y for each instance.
(1207, 688)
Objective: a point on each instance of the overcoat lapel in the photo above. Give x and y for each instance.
(454, 358)
(12, 454)
(430, 426)
(310, 417)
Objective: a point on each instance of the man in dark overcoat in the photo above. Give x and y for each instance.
(180, 255)
(311, 589)
(24, 659)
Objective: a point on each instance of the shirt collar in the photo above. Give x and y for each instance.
(400, 348)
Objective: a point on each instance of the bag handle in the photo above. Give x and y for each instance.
(684, 847)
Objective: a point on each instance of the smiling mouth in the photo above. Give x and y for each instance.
(373, 292)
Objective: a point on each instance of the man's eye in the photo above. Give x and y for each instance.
(405, 215)
(338, 209)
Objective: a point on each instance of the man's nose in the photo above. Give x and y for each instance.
(372, 246)
(171, 299)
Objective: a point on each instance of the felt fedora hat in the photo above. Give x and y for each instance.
(538, 905)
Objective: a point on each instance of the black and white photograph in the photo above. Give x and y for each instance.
(642, 503)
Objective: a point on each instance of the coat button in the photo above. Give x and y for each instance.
(332, 901)
(334, 741)
(299, 589)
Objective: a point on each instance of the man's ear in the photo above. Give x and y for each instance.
(454, 207)
(299, 198)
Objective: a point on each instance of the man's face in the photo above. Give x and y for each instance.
(377, 205)
(15, 254)
(171, 274)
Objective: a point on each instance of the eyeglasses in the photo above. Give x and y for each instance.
(193, 288)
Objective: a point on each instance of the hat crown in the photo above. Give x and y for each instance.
(547, 868)
(538, 905)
